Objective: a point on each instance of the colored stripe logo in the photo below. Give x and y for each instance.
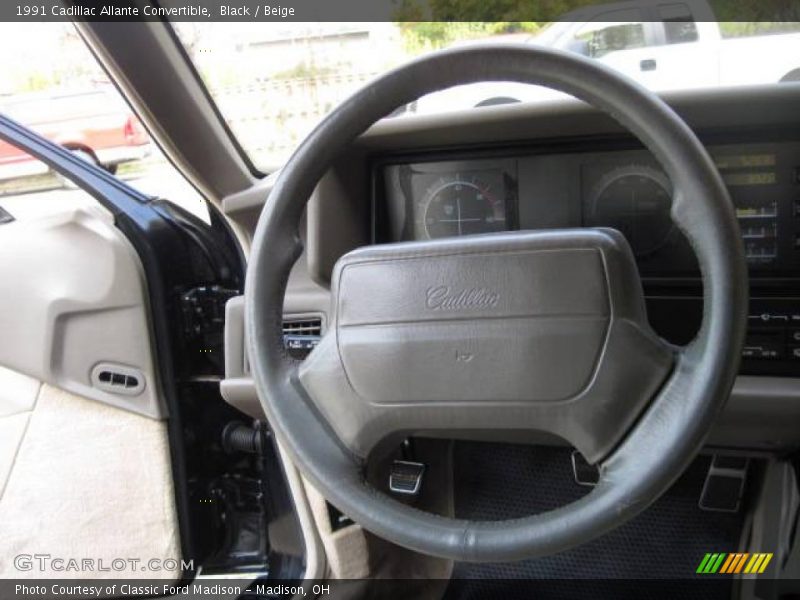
(733, 563)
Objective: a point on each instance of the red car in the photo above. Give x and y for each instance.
(95, 124)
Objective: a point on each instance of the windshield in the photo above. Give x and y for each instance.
(274, 82)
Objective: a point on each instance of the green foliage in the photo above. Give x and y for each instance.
(305, 70)
(742, 29)
(428, 24)
(755, 16)
(427, 35)
(508, 11)
(36, 82)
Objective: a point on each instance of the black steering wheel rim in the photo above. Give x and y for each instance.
(665, 437)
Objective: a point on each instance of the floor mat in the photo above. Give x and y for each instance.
(667, 541)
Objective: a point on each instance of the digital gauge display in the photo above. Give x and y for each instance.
(636, 199)
(748, 177)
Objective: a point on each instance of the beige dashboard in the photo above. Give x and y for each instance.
(763, 409)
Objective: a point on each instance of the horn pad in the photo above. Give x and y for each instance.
(515, 330)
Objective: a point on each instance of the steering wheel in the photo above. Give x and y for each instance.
(514, 331)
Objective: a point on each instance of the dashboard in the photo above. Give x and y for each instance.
(473, 192)
(565, 164)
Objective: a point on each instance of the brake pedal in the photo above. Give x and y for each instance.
(406, 477)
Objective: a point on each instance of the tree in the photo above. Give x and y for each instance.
(428, 24)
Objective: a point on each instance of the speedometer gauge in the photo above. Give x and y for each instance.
(636, 200)
(440, 199)
(458, 205)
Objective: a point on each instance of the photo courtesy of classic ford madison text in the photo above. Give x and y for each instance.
(400, 299)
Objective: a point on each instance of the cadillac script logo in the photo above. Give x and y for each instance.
(442, 297)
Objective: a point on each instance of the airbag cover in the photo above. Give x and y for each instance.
(508, 322)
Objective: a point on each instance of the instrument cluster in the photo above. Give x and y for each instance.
(627, 190)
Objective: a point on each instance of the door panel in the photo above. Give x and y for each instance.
(85, 462)
(74, 298)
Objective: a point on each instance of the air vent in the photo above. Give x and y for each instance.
(301, 334)
(118, 379)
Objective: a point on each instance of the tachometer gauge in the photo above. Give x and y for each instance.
(456, 205)
(635, 200)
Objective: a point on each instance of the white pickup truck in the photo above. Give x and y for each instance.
(663, 44)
